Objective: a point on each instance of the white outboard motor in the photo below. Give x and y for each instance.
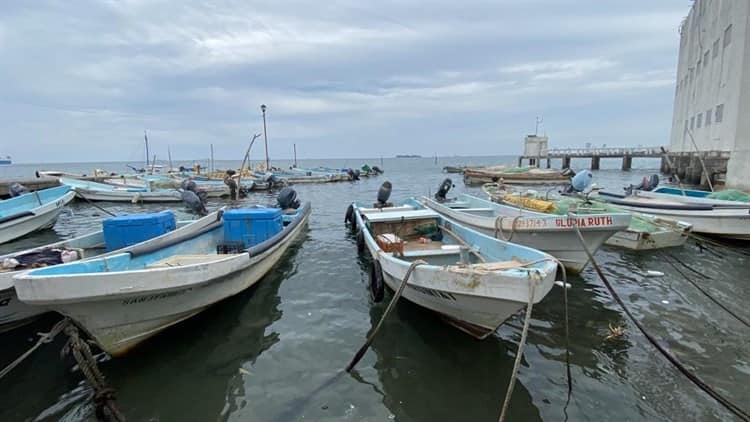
(581, 182)
(445, 186)
(17, 189)
(287, 199)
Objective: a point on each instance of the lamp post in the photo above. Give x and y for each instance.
(265, 135)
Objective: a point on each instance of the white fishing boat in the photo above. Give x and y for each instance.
(123, 299)
(554, 234)
(645, 232)
(731, 221)
(32, 211)
(94, 191)
(14, 313)
(474, 281)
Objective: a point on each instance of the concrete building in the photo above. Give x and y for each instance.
(712, 94)
(535, 148)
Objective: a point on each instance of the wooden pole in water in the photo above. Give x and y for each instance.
(265, 136)
(145, 137)
(295, 155)
(169, 155)
(153, 164)
(213, 168)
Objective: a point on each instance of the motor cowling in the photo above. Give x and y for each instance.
(193, 202)
(445, 186)
(377, 170)
(384, 193)
(17, 189)
(582, 181)
(190, 185)
(287, 198)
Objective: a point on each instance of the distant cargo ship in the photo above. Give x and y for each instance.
(5, 160)
(408, 156)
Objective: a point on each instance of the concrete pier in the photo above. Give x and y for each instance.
(595, 154)
(687, 165)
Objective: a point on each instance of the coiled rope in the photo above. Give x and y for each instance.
(499, 227)
(673, 360)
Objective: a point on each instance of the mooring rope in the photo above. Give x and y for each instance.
(521, 343)
(499, 227)
(673, 360)
(371, 337)
(43, 338)
(104, 395)
(700, 289)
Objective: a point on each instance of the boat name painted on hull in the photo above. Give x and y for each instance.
(584, 221)
(435, 293)
(150, 298)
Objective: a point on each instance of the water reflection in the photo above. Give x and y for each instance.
(431, 371)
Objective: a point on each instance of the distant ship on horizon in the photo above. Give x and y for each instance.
(5, 160)
(408, 156)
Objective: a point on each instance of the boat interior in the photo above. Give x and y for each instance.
(29, 201)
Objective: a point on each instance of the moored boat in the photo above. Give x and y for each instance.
(123, 299)
(645, 232)
(731, 221)
(514, 175)
(14, 313)
(32, 211)
(94, 191)
(474, 281)
(554, 234)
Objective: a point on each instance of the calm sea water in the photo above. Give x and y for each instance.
(276, 351)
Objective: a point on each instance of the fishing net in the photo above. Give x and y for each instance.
(517, 169)
(730, 195)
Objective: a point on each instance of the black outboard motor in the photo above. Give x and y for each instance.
(190, 185)
(377, 170)
(445, 186)
(194, 202)
(287, 198)
(17, 189)
(647, 184)
(383, 194)
(356, 174)
(353, 174)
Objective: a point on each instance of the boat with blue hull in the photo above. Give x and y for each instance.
(475, 282)
(32, 211)
(14, 313)
(94, 191)
(125, 298)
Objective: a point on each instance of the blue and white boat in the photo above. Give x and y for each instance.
(94, 191)
(33, 211)
(14, 313)
(123, 299)
(5, 160)
(474, 281)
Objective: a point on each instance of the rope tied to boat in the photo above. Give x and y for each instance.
(43, 339)
(736, 410)
(104, 395)
(499, 227)
(361, 352)
(534, 278)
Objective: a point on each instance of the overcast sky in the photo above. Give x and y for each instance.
(80, 81)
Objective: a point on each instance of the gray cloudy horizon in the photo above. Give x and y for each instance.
(341, 79)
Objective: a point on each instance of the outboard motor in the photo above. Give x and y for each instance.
(384, 193)
(17, 189)
(287, 199)
(353, 174)
(647, 184)
(194, 202)
(582, 181)
(356, 174)
(445, 186)
(229, 181)
(190, 185)
(377, 170)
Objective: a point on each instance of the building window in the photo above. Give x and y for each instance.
(727, 35)
(719, 115)
(699, 121)
(705, 59)
(708, 117)
(692, 123)
(716, 49)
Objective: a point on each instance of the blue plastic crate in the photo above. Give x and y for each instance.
(127, 230)
(251, 226)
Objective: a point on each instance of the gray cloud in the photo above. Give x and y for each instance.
(81, 80)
